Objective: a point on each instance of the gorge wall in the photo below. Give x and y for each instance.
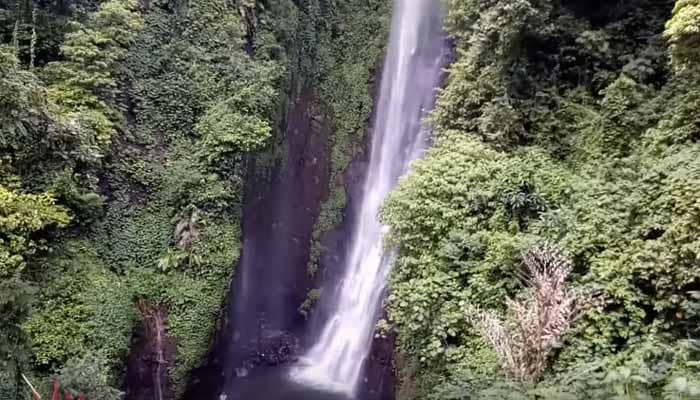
(147, 177)
(146, 146)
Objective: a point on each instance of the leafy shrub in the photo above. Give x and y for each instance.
(22, 216)
(559, 125)
(683, 34)
(227, 132)
(90, 376)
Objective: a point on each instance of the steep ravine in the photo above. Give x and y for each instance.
(262, 330)
(195, 194)
(260, 326)
(379, 369)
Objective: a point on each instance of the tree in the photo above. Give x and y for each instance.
(683, 34)
(15, 306)
(23, 217)
(84, 83)
(25, 118)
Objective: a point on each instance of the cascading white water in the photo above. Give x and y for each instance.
(412, 71)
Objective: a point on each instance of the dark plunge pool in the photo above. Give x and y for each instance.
(274, 384)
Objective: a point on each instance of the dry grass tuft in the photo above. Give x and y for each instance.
(538, 322)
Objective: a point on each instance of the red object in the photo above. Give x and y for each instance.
(35, 396)
(81, 396)
(68, 396)
(56, 386)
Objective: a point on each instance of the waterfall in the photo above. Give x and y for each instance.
(412, 70)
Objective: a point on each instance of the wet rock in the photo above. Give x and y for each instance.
(275, 350)
(152, 352)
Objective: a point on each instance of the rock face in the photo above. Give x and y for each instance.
(152, 351)
(379, 370)
(262, 332)
(274, 350)
(260, 326)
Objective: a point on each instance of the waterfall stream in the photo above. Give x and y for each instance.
(412, 70)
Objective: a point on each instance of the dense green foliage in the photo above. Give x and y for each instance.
(569, 123)
(124, 135)
(341, 64)
(127, 125)
(125, 130)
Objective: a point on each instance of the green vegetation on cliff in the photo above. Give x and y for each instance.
(346, 51)
(571, 123)
(568, 130)
(124, 134)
